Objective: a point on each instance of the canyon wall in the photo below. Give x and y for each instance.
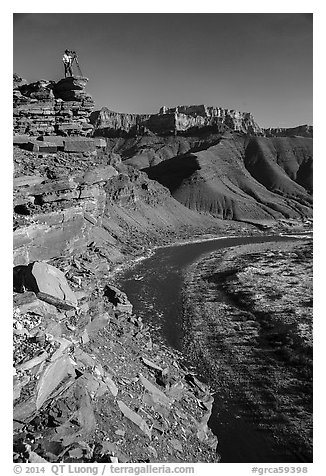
(180, 119)
(302, 131)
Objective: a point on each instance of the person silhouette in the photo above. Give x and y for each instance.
(67, 62)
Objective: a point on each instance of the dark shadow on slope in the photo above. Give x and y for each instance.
(218, 128)
(23, 279)
(305, 175)
(94, 116)
(172, 172)
(260, 164)
(157, 145)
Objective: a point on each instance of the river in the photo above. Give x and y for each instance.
(154, 287)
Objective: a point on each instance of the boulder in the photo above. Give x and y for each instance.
(70, 84)
(48, 283)
(52, 235)
(18, 81)
(118, 299)
(39, 90)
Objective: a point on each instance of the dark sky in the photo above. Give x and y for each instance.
(136, 63)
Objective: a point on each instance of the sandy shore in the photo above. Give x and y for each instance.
(248, 310)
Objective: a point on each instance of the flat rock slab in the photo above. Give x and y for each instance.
(48, 282)
(71, 126)
(79, 144)
(28, 180)
(87, 127)
(41, 146)
(100, 142)
(29, 302)
(51, 282)
(58, 140)
(21, 139)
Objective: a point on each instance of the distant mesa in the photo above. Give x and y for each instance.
(177, 120)
(300, 131)
(186, 120)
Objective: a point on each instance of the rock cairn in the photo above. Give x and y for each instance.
(50, 108)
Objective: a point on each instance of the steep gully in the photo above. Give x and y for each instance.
(154, 286)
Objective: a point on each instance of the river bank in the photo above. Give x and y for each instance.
(136, 387)
(248, 325)
(284, 228)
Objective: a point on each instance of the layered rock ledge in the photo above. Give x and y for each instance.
(48, 108)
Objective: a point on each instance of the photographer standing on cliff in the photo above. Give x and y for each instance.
(68, 59)
(67, 62)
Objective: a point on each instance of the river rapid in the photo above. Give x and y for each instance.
(154, 287)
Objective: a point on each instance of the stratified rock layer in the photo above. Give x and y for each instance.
(112, 206)
(47, 108)
(302, 131)
(176, 120)
(114, 124)
(188, 117)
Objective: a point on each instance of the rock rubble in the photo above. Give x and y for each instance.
(85, 389)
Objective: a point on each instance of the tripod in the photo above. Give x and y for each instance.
(75, 58)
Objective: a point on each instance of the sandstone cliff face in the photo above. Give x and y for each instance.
(302, 131)
(109, 123)
(186, 120)
(47, 108)
(180, 119)
(187, 117)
